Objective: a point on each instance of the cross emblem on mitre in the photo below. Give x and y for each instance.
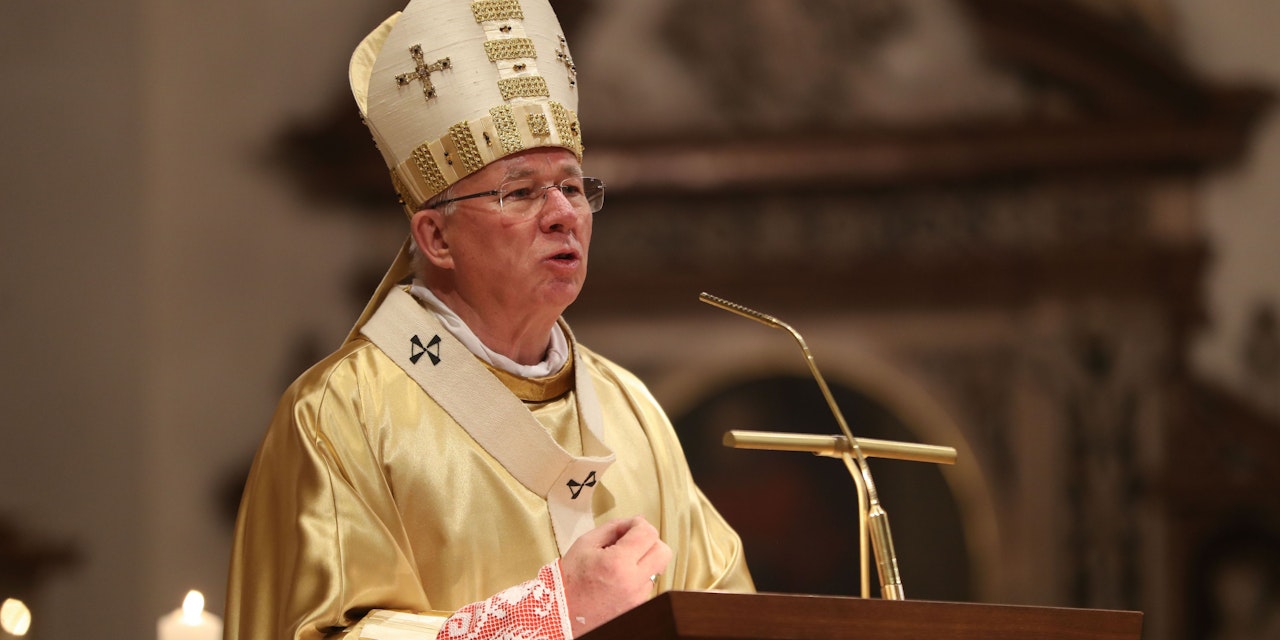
(562, 54)
(422, 72)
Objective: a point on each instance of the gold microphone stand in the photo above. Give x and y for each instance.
(872, 518)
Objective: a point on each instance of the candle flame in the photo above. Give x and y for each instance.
(15, 618)
(192, 608)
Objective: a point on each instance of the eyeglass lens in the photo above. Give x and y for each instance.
(521, 197)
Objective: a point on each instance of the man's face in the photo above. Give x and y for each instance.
(531, 265)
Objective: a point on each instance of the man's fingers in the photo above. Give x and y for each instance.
(642, 543)
(605, 535)
(638, 536)
(655, 559)
(631, 546)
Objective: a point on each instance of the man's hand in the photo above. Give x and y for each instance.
(607, 571)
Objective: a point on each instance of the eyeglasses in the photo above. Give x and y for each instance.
(523, 198)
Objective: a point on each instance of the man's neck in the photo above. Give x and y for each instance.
(524, 342)
(523, 338)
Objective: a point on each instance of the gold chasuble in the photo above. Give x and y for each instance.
(402, 479)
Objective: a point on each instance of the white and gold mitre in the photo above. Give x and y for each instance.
(448, 86)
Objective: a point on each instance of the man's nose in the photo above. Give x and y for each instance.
(558, 213)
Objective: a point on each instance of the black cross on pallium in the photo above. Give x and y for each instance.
(575, 487)
(422, 71)
(431, 349)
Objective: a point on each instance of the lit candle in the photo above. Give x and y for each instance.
(15, 618)
(191, 622)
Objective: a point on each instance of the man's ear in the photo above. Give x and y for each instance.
(428, 229)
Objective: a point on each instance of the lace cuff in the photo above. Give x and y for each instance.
(534, 610)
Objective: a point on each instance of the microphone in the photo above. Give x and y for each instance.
(877, 521)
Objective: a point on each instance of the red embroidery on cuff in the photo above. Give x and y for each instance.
(534, 610)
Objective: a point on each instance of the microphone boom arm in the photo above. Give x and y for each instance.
(876, 518)
(837, 446)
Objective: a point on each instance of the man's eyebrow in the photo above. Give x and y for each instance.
(574, 171)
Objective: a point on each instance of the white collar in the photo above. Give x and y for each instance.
(557, 347)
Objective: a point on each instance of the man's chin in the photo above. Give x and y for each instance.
(562, 294)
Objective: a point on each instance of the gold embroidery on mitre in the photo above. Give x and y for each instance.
(538, 125)
(406, 198)
(465, 143)
(523, 87)
(422, 71)
(510, 49)
(486, 10)
(567, 127)
(505, 122)
(428, 170)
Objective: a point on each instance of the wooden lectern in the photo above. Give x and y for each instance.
(736, 616)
